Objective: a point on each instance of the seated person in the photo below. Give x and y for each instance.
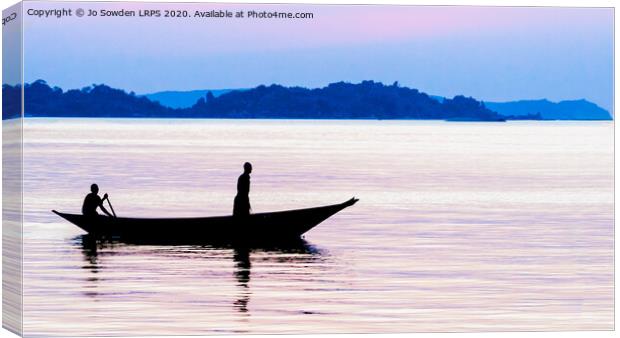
(92, 201)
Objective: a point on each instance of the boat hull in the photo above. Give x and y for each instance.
(263, 226)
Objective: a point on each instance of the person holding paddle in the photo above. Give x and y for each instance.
(93, 201)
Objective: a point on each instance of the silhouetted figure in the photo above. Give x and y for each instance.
(93, 201)
(242, 200)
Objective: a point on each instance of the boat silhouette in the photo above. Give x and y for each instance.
(269, 226)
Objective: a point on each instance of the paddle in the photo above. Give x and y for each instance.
(110, 204)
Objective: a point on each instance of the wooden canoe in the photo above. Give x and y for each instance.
(289, 224)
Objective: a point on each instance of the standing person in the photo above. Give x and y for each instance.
(242, 200)
(93, 201)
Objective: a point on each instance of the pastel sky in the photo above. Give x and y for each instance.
(491, 53)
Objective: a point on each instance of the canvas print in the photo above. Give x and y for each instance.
(217, 168)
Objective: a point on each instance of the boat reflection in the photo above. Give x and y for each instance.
(92, 245)
(295, 252)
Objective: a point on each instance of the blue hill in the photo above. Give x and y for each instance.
(183, 99)
(548, 110)
(563, 110)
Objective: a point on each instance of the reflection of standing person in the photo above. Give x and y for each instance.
(242, 273)
(242, 200)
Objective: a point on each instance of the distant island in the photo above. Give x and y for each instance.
(341, 100)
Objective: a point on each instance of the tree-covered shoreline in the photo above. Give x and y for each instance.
(341, 100)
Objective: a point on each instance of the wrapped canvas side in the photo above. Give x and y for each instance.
(12, 165)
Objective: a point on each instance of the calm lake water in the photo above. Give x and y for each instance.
(460, 227)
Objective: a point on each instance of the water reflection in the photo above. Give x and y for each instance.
(287, 254)
(89, 250)
(91, 245)
(242, 273)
